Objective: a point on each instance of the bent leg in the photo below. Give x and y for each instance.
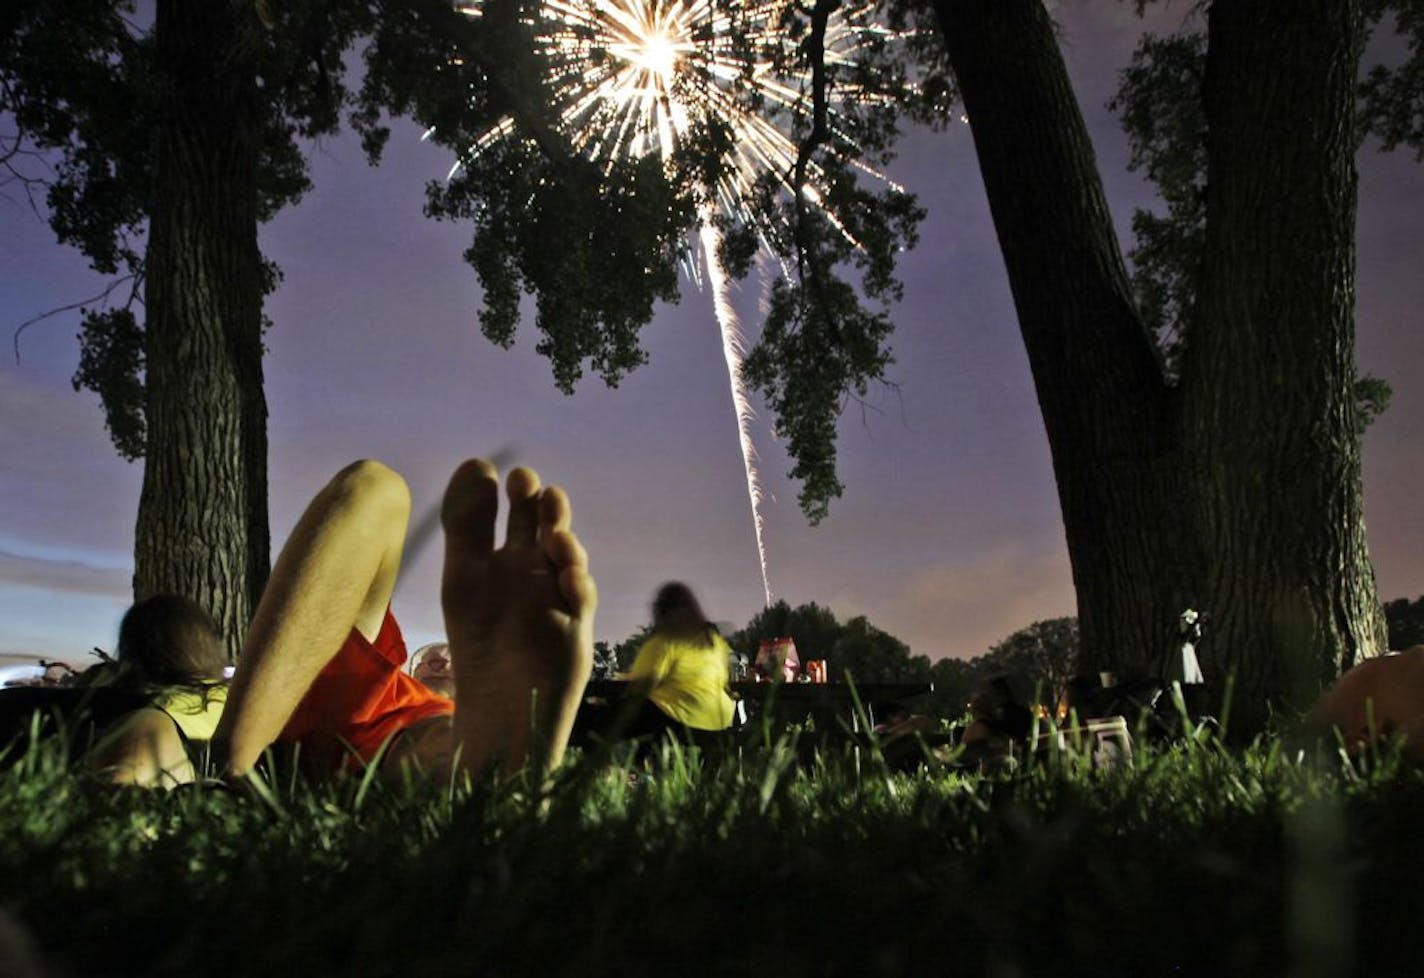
(337, 571)
(1376, 699)
(519, 619)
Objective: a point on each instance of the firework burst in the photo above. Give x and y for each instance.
(635, 78)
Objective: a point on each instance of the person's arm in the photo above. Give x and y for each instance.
(725, 658)
(649, 667)
(144, 750)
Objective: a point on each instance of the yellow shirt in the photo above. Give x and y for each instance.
(688, 681)
(196, 711)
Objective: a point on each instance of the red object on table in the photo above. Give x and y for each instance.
(777, 658)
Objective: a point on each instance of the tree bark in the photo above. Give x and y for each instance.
(202, 522)
(1238, 492)
(1111, 418)
(1269, 368)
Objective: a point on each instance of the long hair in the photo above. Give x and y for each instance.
(676, 613)
(169, 640)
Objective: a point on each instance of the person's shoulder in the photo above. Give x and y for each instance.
(195, 709)
(190, 699)
(657, 640)
(703, 642)
(655, 646)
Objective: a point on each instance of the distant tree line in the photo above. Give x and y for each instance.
(1038, 660)
(1041, 657)
(1405, 620)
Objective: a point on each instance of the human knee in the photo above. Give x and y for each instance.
(367, 482)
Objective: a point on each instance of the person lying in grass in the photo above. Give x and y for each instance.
(171, 656)
(321, 664)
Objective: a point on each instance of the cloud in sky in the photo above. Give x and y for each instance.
(62, 482)
(57, 625)
(59, 608)
(67, 428)
(64, 576)
(961, 609)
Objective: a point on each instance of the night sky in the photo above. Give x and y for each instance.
(948, 535)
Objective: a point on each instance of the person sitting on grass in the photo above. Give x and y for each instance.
(320, 666)
(999, 725)
(170, 653)
(682, 671)
(1379, 699)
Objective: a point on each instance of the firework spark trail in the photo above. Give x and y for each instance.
(733, 349)
(629, 78)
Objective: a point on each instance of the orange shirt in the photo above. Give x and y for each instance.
(362, 698)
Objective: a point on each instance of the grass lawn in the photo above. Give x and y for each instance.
(1193, 861)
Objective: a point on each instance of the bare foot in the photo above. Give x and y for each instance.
(519, 619)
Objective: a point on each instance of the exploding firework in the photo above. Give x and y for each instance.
(634, 78)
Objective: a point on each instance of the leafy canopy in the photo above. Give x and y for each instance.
(1159, 100)
(596, 245)
(599, 245)
(78, 107)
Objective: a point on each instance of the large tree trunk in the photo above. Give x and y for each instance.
(1239, 493)
(1108, 410)
(1269, 370)
(202, 521)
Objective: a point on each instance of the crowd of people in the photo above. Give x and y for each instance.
(324, 667)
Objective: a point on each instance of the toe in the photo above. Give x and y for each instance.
(555, 513)
(565, 550)
(523, 490)
(471, 501)
(579, 590)
(575, 582)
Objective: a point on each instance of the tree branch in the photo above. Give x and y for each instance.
(501, 71)
(815, 48)
(13, 146)
(103, 296)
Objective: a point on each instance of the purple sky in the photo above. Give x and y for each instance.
(948, 535)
